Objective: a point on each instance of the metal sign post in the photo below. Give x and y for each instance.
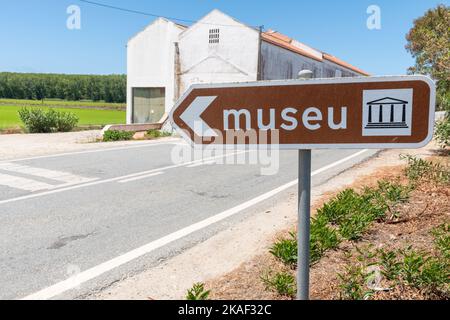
(304, 214)
(304, 207)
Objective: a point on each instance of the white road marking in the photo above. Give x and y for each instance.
(44, 173)
(200, 164)
(93, 183)
(140, 145)
(23, 183)
(141, 177)
(109, 265)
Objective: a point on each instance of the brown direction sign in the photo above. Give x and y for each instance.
(369, 112)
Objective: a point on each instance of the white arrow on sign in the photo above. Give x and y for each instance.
(192, 116)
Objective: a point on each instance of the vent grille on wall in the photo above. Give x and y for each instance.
(214, 36)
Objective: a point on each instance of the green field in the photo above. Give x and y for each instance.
(9, 117)
(63, 103)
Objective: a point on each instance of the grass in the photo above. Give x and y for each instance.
(62, 103)
(9, 116)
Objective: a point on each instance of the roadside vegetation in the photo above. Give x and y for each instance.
(197, 292)
(96, 100)
(88, 118)
(388, 239)
(374, 273)
(155, 134)
(47, 121)
(377, 272)
(10, 118)
(117, 135)
(442, 132)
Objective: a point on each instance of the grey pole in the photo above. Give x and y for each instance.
(304, 214)
(303, 230)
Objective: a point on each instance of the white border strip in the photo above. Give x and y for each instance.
(272, 83)
(100, 269)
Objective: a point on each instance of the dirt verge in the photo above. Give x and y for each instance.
(427, 208)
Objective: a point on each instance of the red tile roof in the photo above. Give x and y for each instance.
(288, 43)
(283, 41)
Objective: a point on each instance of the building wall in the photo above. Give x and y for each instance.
(150, 60)
(233, 59)
(279, 63)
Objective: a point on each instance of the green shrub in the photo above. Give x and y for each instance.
(418, 169)
(353, 283)
(442, 240)
(390, 264)
(117, 135)
(282, 282)
(354, 226)
(442, 133)
(286, 250)
(427, 271)
(65, 121)
(45, 121)
(198, 292)
(154, 134)
(322, 238)
(385, 197)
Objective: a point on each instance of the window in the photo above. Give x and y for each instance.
(214, 36)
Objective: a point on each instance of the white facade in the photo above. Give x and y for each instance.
(216, 49)
(150, 60)
(234, 58)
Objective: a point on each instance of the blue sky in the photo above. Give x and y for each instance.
(34, 37)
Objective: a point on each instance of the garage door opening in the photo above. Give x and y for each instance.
(148, 104)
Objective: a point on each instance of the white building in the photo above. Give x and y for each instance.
(165, 58)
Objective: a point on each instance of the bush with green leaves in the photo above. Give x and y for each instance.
(282, 282)
(427, 271)
(46, 121)
(117, 135)
(65, 121)
(442, 133)
(418, 169)
(353, 283)
(154, 134)
(323, 237)
(347, 216)
(197, 292)
(286, 250)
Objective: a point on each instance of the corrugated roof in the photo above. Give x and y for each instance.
(283, 41)
(340, 62)
(293, 45)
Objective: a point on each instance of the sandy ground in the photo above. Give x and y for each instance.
(229, 249)
(13, 146)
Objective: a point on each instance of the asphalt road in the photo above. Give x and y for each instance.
(85, 214)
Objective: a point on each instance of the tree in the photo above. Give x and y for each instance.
(428, 42)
